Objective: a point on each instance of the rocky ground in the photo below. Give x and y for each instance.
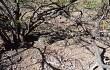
(53, 53)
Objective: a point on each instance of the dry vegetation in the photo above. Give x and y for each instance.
(54, 35)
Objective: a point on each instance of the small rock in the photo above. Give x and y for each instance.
(16, 59)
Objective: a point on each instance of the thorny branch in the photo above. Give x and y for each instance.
(44, 59)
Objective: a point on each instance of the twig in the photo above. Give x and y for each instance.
(94, 35)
